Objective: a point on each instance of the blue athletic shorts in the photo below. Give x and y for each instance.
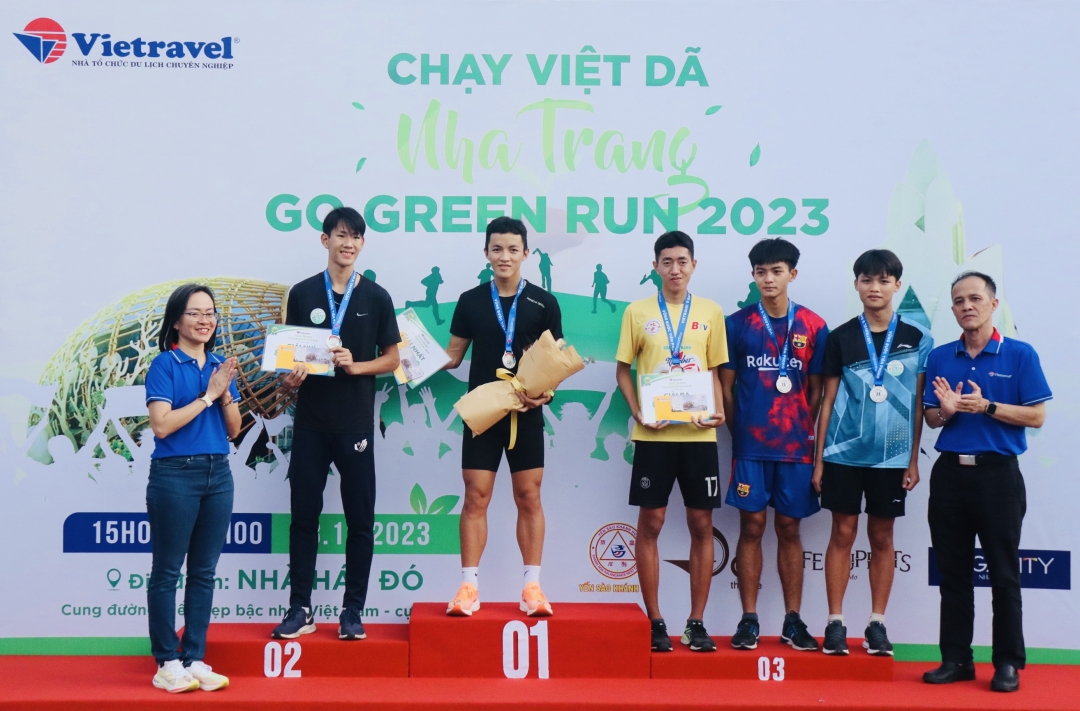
(785, 486)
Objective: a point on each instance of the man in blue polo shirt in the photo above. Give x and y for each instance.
(982, 391)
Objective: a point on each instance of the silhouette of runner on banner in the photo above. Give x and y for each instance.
(431, 282)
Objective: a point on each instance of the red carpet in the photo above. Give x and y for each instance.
(56, 683)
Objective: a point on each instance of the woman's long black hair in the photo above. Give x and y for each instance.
(174, 311)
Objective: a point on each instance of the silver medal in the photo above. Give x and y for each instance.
(333, 341)
(509, 361)
(878, 393)
(783, 384)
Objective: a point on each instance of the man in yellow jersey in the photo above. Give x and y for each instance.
(669, 332)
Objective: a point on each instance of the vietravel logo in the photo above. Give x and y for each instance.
(44, 38)
(47, 41)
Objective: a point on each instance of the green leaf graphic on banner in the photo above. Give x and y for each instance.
(358, 105)
(418, 499)
(360, 164)
(755, 155)
(712, 110)
(443, 504)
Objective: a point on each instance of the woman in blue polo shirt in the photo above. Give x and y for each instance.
(193, 412)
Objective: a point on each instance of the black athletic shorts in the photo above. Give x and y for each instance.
(484, 451)
(657, 465)
(842, 489)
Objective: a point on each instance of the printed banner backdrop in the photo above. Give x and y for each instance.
(145, 146)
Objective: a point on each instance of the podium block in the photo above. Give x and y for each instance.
(771, 661)
(581, 640)
(246, 649)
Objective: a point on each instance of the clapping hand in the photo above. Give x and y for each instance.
(221, 378)
(949, 398)
(974, 401)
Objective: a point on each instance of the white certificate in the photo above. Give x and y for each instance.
(289, 346)
(421, 355)
(676, 397)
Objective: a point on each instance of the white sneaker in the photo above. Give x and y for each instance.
(207, 678)
(174, 678)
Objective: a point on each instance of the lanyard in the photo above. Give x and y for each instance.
(674, 338)
(507, 324)
(782, 354)
(337, 316)
(877, 365)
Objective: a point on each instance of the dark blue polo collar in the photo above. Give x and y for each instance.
(182, 357)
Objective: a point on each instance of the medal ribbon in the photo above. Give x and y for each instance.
(674, 338)
(783, 354)
(507, 324)
(337, 317)
(504, 374)
(877, 365)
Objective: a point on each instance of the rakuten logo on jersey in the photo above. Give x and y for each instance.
(764, 362)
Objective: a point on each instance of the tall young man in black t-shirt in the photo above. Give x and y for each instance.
(501, 319)
(335, 419)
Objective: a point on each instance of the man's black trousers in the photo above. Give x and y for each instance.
(354, 456)
(989, 501)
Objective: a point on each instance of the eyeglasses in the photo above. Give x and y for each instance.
(199, 317)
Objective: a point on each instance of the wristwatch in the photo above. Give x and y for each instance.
(206, 398)
(990, 409)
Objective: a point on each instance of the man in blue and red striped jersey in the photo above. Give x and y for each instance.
(772, 391)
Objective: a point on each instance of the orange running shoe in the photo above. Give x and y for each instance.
(533, 601)
(466, 602)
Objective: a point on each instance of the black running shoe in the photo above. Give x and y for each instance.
(877, 642)
(350, 626)
(746, 635)
(697, 638)
(298, 620)
(796, 635)
(835, 638)
(661, 642)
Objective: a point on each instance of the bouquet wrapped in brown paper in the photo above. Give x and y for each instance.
(543, 366)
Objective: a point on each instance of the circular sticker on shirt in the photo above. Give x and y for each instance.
(652, 327)
(317, 316)
(895, 368)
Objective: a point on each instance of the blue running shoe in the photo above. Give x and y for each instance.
(746, 635)
(836, 638)
(796, 635)
(298, 620)
(350, 625)
(876, 641)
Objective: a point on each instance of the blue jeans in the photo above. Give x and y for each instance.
(189, 502)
